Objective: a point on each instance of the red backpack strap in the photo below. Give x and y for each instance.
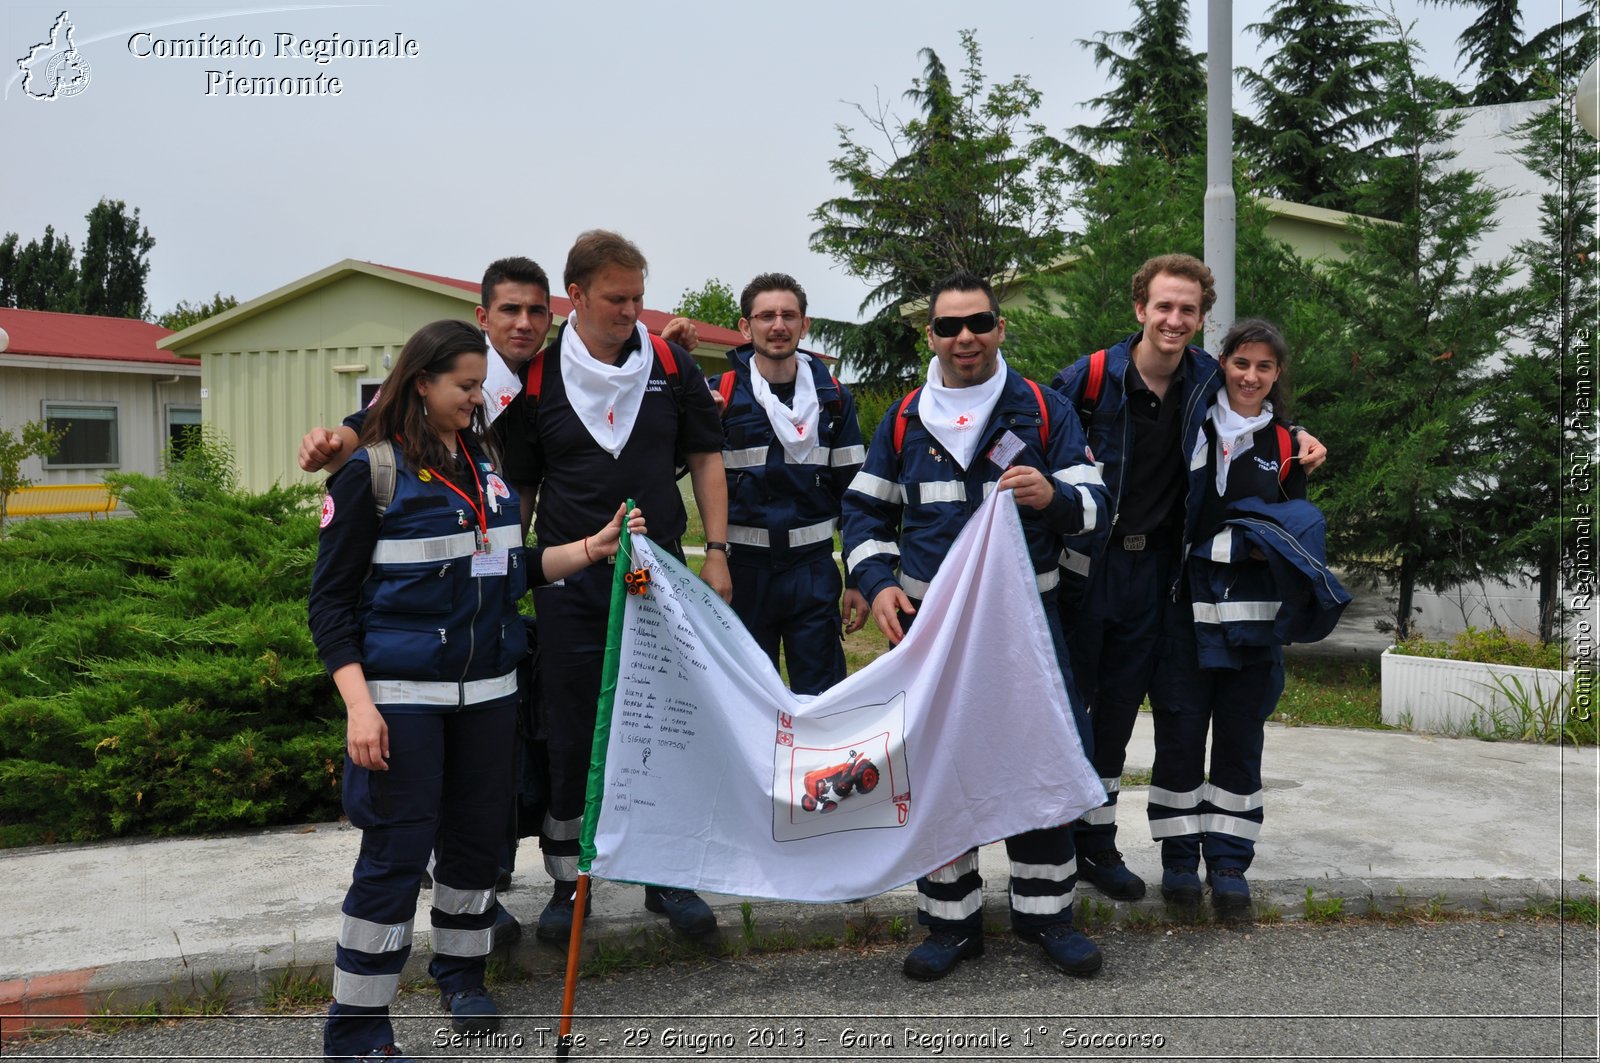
(1044, 417)
(1097, 377)
(725, 387)
(664, 352)
(535, 376)
(900, 420)
(1285, 452)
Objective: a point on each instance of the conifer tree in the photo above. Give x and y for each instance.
(1153, 73)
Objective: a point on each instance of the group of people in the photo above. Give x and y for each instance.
(1120, 468)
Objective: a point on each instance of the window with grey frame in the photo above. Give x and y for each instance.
(90, 438)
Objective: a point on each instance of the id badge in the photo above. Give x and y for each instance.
(1005, 452)
(495, 564)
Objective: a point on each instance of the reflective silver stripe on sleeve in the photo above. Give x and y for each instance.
(811, 533)
(988, 489)
(1099, 817)
(365, 990)
(953, 911)
(1073, 561)
(1232, 802)
(1046, 905)
(941, 491)
(1091, 512)
(1174, 799)
(1175, 827)
(914, 588)
(1100, 467)
(1219, 548)
(1048, 872)
(1073, 475)
(452, 901)
(561, 830)
(1047, 581)
(561, 868)
(408, 692)
(877, 487)
(949, 873)
(365, 936)
(1213, 823)
(1113, 786)
(412, 551)
(848, 455)
(1234, 612)
(748, 458)
(818, 456)
(871, 548)
(744, 535)
(452, 942)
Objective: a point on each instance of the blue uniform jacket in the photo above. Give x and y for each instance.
(1110, 434)
(902, 513)
(782, 513)
(1243, 607)
(398, 596)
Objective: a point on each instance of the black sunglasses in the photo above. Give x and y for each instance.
(950, 327)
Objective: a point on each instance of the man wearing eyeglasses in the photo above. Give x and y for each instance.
(791, 445)
(975, 426)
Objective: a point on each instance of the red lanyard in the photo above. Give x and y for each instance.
(478, 508)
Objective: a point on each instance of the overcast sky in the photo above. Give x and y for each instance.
(701, 129)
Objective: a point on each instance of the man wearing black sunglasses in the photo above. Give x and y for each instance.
(976, 426)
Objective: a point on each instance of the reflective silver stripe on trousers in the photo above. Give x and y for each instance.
(948, 874)
(941, 491)
(443, 547)
(561, 830)
(848, 455)
(871, 548)
(1048, 872)
(748, 458)
(1079, 474)
(1229, 801)
(1212, 823)
(365, 990)
(1234, 612)
(1099, 817)
(811, 533)
(1175, 799)
(561, 868)
(1175, 827)
(1091, 512)
(1047, 905)
(407, 692)
(451, 942)
(879, 488)
(366, 936)
(1047, 581)
(954, 911)
(1073, 561)
(1112, 786)
(452, 901)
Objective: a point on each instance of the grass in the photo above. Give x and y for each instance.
(295, 989)
(1327, 910)
(1326, 692)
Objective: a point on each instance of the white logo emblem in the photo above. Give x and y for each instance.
(55, 68)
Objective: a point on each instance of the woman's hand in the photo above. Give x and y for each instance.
(603, 543)
(366, 736)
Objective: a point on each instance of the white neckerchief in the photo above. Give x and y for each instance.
(796, 427)
(957, 416)
(500, 385)
(606, 398)
(1234, 434)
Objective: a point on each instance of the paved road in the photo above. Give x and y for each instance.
(1480, 990)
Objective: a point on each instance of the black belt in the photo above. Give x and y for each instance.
(1136, 543)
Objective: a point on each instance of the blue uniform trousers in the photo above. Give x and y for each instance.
(798, 608)
(447, 789)
(1115, 639)
(1193, 813)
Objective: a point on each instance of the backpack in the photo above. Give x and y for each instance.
(902, 417)
(380, 459)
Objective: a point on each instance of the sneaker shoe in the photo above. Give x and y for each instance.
(507, 931)
(939, 953)
(1069, 949)
(472, 1011)
(385, 1052)
(555, 922)
(1106, 872)
(1180, 886)
(1230, 893)
(684, 909)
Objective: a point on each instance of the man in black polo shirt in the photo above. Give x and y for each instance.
(1144, 403)
(606, 420)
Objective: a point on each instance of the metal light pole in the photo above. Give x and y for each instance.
(1220, 208)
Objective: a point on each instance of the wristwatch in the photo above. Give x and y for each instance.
(726, 551)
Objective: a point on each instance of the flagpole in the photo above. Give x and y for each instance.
(597, 770)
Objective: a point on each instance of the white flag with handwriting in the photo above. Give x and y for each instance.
(717, 778)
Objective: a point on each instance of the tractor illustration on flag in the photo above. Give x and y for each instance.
(826, 787)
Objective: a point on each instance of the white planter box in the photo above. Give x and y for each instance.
(1458, 697)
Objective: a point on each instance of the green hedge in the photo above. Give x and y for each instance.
(156, 672)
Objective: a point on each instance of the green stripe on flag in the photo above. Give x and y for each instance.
(608, 692)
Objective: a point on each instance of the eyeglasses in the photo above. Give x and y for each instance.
(950, 327)
(770, 317)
